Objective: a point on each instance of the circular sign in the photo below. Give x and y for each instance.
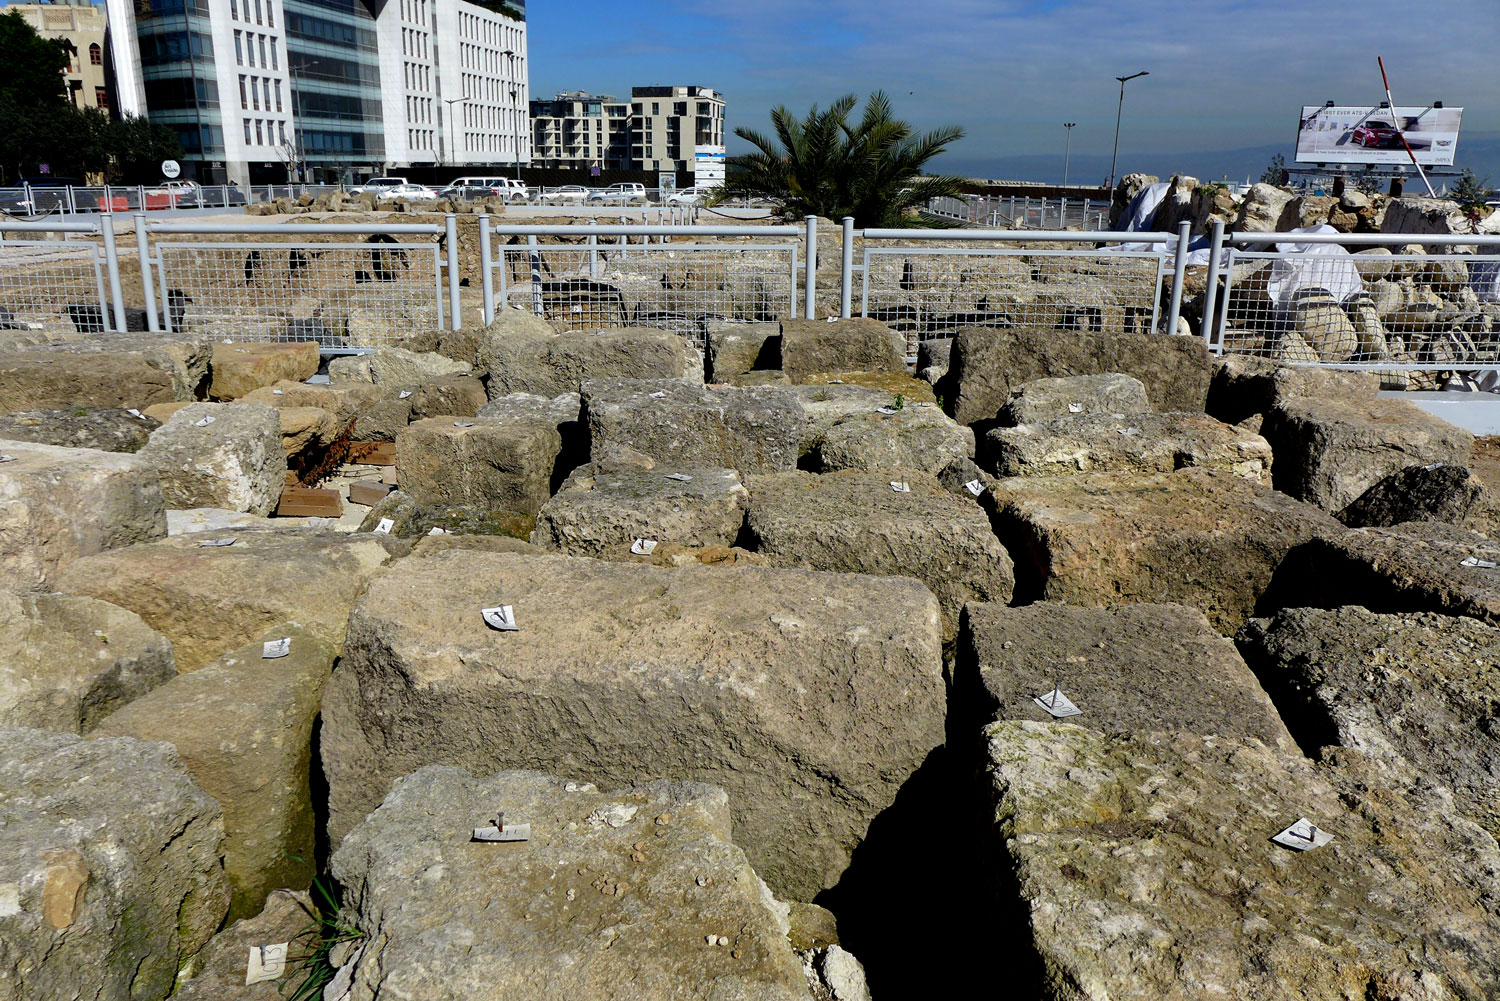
(170, 169)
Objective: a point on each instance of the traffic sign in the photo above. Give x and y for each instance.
(170, 169)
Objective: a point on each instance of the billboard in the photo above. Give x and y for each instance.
(1340, 134)
(708, 166)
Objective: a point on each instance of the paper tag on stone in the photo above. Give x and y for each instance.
(385, 526)
(277, 392)
(512, 832)
(1058, 704)
(680, 478)
(659, 395)
(1128, 432)
(435, 529)
(835, 382)
(1475, 561)
(7, 458)
(1075, 408)
(215, 543)
(887, 411)
(901, 486)
(272, 649)
(266, 962)
(462, 424)
(1303, 836)
(403, 394)
(137, 413)
(502, 618)
(643, 547)
(974, 487)
(205, 422)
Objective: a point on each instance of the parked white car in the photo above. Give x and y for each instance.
(620, 194)
(687, 196)
(378, 186)
(567, 193)
(411, 192)
(508, 188)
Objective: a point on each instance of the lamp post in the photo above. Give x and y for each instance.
(1118, 111)
(1067, 148)
(515, 107)
(450, 102)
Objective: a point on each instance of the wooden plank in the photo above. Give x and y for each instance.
(374, 453)
(367, 492)
(309, 502)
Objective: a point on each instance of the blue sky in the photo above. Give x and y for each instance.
(1226, 75)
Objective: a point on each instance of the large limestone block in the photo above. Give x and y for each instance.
(631, 886)
(503, 464)
(1330, 451)
(1131, 669)
(779, 685)
(563, 412)
(1207, 539)
(737, 348)
(603, 507)
(1425, 216)
(987, 364)
(857, 345)
(824, 406)
(1244, 385)
(854, 522)
(395, 367)
(219, 972)
(211, 599)
(377, 413)
(1436, 492)
(1134, 443)
(547, 363)
(58, 504)
(1146, 869)
(243, 727)
(239, 369)
(107, 429)
(919, 436)
(752, 429)
(113, 370)
(1048, 399)
(1267, 209)
(66, 662)
(236, 462)
(459, 395)
(109, 867)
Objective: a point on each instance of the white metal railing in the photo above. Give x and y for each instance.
(1019, 212)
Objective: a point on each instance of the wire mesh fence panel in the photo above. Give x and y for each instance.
(345, 296)
(677, 287)
(1396, 313)
(52, 286)
(930, 292)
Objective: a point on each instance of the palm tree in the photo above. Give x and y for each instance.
(823, 166)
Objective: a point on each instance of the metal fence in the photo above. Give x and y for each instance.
(1021, 212)
(1401, 303)
(54, 286)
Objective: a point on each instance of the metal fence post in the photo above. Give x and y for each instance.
(1180, 266)
(1062, 213)
(593, 250)
(486, 278)
(142, 251)
(810, 280)
(112, 267)
(846, 268)
(450, 230)
(1210, 295)
(536, 274)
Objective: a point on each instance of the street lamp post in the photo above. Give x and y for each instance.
(1067, 148)
(1118, 111)
(515, 105)
(450, 102)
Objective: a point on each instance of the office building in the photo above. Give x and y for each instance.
(668, 122)
(263, 91)
(580, 130)
(657, 129)
(82, 27)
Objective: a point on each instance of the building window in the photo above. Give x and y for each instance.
(260, 139)
(270, 15)
(234, 9)
(101, 98)
(244, 100)
(281, 126)
(257, 12)
(278, 95)
(254, 94)
(247, 132)
(96, 54)
(263, 50)
(239, 52)
(275, 62)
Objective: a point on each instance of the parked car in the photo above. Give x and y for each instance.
(411, 192)
(620, 194)
(213, 196)
(1375, 134)
(687, 196)
(171, 194)
(377, 186)
(567, 193)
(508, 188)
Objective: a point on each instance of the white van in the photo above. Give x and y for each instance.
(507, 188)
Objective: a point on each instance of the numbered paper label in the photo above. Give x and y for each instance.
(272, 649)
(137, 413)
(266, 962)
(502, 617)
(901, 486)
(1304, 835)
(974, 487)
(643, 547)
(205, 422)
(1057, 704)
(215, 543)
(435, 529)
(888, 411)
(1475, 561)
(385, 526)
(7, 458)
(463, 424)
(513, 832)
(403, 394)
(680, 478)
(1075, 408)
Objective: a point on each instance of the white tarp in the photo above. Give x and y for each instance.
(1325, 266)
(1484, 278)
(1141, 211)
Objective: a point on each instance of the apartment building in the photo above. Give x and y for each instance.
(667, 123)
(580, 130)
(82, 26)
(263, 91)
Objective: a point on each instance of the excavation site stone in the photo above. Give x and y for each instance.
(241, 368)
(1244, 385)
(918, 436)
(1145, 869)
(564, 412)
(503, 464)
(235, 461)
(781, 686)
(752, 429)
(451, 395)
(208, 600)
(1330, 451)
(856, 345)
(377, 413)
(854, 522)
(243, 727)
(108, 429)
(604, 507)
(988, 363)
(109, 370)
(1437, 492)
(109, 876)
(59, 504)
(547, 363)
(641, 889)
(1202, 538)
(1130, 669)
(395, 367)
(737, 348)
(1126, 443)
(66, 662)
(1049, 399)
(219, 972)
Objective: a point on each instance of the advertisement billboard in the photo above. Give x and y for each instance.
(1341, 134)
(708, 166)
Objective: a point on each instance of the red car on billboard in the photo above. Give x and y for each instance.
(1375, 135)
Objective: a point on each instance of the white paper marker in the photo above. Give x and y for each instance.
(137, 413)
(272, 649)
(462, 424)
(643, 547)
(215, 543)
(1075, 408)
(887, 411)
(974, 487)
(1304, 835)
(266, 962)
(7, 458)
(901, 486)
(1128, 432)
(498, 831)
(205, 422)
(403, 394)
(502, 617)
(1475, 561)
(659, 395)
(385, 526)
(679, 477)
(277, 392)
(435, 529)
(1058, 704)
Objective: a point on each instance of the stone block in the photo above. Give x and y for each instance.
(236, 462)
(1134, 443)
(856, 345)
(503, 464)
(604, 506)
(182, 359)
(451, 395)
(1048, 399)
(737, 348)
(219, 973)
(1244, 385)
(394, 367)
(919, 437)
(1437, 492)
(239, 369)
(107, 429)
(547, 363)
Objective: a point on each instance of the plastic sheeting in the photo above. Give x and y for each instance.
(1484, 279)
(1141, 211)
(1324, 266)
